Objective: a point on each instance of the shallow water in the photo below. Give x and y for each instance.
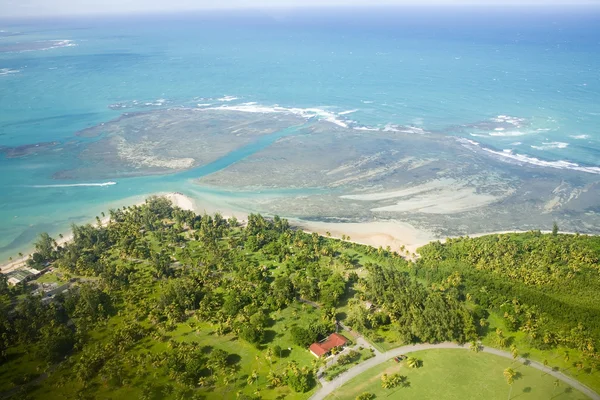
(524, 85)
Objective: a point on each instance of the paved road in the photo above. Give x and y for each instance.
(328, 387)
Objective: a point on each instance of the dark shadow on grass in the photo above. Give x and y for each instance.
(269, 336)
(285, 353)
(233, 359)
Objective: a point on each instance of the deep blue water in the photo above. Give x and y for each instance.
(429, 68)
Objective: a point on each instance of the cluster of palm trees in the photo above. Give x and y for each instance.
(394, 380)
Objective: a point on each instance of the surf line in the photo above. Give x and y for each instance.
(74, 185)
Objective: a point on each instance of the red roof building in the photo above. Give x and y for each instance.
(324, 347)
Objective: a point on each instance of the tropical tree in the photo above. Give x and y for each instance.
(413, 362)
(509, 375)
(365, 396)
(252, 378)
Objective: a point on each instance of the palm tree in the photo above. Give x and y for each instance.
(274, 379)
(509, 374)
(579, 364)
(413, 362)
(514, 352)
(252, 378)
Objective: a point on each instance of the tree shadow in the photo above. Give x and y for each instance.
(233, 359)
(341, 316)
(518, 375)
(285, 353)
(269, 336)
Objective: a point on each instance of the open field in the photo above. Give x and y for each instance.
(452, 374)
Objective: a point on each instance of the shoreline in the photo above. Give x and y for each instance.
(393, 233)
(178, 199)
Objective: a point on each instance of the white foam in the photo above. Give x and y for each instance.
(413, 129)
(580, 137)
(228, 98)
(366, 128)
(204, 104)
(509, 133)
(507, 119)
(8, 71)
(159, 102)
(508, 154)
(551, 145)
(516, 144)
(347, 112)
(75, 185)
(367, 101)
(307, 113)
(391, 128)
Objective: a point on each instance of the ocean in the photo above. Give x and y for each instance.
(522, 84)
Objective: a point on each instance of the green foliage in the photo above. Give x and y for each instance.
(392, 381)
(304, 337)
(365, 396)
(418, 314)
(157, 281)
(300, 380)
(543, 285)
(55, 342)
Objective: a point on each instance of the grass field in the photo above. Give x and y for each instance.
(454, 374)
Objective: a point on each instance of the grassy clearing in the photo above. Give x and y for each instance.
(454, 374)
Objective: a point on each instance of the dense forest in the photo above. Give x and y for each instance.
(163, 303)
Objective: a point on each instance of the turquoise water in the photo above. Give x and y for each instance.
(440, 70)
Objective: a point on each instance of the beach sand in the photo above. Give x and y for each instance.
(377, 233)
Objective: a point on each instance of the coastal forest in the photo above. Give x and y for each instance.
(164, 303)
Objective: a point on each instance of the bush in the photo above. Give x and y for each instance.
(365, 396)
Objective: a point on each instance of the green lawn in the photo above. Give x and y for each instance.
(455, 374)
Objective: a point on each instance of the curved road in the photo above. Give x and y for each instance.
(328, 387)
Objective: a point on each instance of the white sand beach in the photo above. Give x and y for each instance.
(377, 233)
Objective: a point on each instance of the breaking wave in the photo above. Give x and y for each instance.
(509, 156)
(551, 145)
(307, 113)
(8, 71)
(75, 185)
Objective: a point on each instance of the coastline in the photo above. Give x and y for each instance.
(178, 199)
(392, 233)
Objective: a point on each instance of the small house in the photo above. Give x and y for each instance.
(324, 347)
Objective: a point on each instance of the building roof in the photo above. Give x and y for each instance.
(334, 340)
